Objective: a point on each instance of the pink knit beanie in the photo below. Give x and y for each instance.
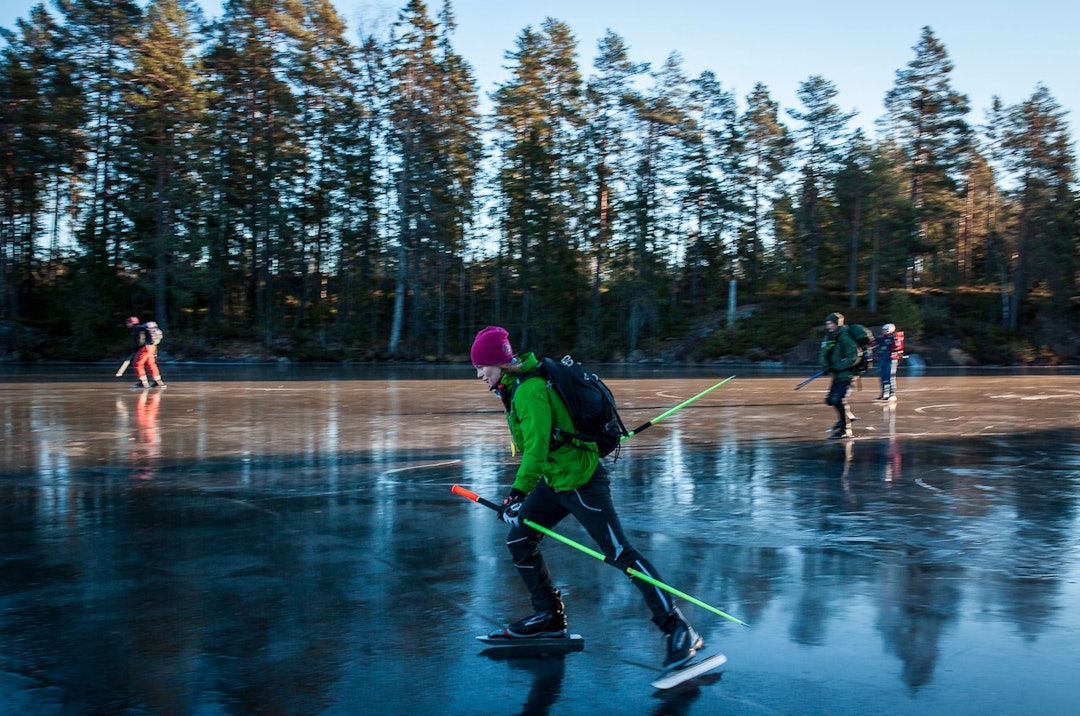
(491, 347)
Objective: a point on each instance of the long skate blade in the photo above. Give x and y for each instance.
(684, 674)
(571, 642)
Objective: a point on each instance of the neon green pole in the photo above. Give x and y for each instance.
(470, 495)
(631, 571)
(680, 406)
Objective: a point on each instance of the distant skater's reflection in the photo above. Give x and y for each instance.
(893, 458)
(845, 474)
(146, 413)
(146, 444)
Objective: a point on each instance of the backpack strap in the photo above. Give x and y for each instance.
(830, 343)
(559, 437)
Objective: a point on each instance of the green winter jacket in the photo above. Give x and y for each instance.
(534, 410)
(839, 354)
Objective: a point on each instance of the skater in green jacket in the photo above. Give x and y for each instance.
(839, 358)
(554, 480)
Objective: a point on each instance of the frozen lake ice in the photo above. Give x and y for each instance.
(273, 540)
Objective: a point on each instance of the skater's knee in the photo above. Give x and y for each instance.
(521, 547)
(622, 556)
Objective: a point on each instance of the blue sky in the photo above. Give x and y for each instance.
(998, 48)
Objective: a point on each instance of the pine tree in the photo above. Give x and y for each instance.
(766, 146)
(461, 153)
(98, 40)
(999, 253)
(818, 144)
(160, 154)
(363, 243)
(925, 118)
(610, 95)
(256, 153)
(980, 194)
(433, 111)
(710, 192)
(325, 77)
(537, 118)
(1039, 158)
(40, 148)
(872, 211)
(664, 130)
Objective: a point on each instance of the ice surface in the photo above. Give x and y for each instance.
(287, 542)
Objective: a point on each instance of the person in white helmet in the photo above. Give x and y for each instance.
(887, 349)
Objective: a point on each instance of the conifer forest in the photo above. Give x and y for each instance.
(267, 177)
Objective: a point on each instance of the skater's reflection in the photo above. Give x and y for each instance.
(893, 460)
(146, 413)
(547, 673)
(892, 444)
(146, 446)
(679, 700)
(845, 474)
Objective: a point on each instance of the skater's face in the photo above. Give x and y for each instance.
(490, 374)
(831, 326)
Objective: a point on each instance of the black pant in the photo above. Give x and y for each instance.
(837, 397)
(591, 505)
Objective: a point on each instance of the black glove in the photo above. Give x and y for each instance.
(511, 507)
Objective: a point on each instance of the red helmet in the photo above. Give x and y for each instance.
(131, 321)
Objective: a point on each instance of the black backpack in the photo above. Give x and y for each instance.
(589, 401)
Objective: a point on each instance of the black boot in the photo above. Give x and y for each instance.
(549, 622)
(842, 429)
(681, 640)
